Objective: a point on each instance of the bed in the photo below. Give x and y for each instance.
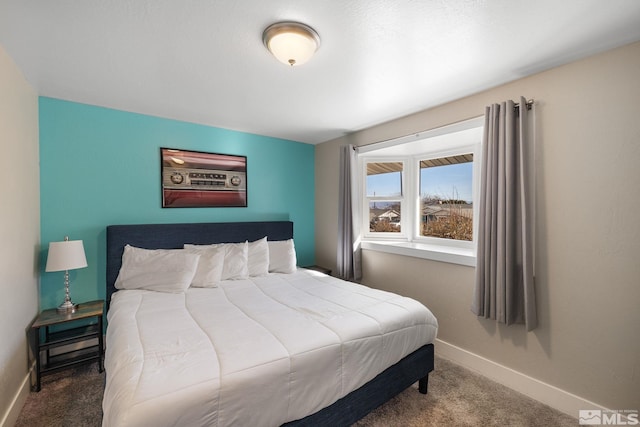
(291, 347)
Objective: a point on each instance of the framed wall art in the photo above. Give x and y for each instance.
(193, 179)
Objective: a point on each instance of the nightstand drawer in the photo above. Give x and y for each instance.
(70, 336)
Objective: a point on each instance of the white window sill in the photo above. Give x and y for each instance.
(452, 255)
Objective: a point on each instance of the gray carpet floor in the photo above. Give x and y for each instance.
(457, 397)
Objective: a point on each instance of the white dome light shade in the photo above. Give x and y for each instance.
(291, 43)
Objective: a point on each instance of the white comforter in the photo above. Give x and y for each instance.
(254, 352)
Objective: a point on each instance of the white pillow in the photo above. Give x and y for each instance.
(258, 259)
(163, 270)
(282, 256)
(210, 266)
(235, 259)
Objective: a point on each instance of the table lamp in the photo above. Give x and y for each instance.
(65, 256)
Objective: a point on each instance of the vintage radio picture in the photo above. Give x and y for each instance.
(198, 179)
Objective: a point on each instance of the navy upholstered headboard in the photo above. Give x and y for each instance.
(173, 236)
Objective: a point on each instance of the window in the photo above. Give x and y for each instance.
(446, 197)
(384, 196)
(418, 193)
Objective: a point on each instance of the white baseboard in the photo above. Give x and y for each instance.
(11, 416)
(13, 412)
(550, 395)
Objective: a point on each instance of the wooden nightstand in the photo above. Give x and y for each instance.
(93, 310)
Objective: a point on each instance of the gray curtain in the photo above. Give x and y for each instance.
(504, 285)
(349, 258)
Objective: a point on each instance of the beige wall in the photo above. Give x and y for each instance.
(19, 231)
(588, 233)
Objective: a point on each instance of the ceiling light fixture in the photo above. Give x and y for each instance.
(292, 43)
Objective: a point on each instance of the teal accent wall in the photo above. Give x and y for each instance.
(100, 166)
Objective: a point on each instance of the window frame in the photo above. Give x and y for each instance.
(402, 234)
(461, 149)
(432, 144)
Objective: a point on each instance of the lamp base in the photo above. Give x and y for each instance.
(67, 307)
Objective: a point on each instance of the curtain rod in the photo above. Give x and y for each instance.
(417, 135)
(529, 104)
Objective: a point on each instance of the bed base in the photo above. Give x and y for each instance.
(394, 380)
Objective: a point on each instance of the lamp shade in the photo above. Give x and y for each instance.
(292, 43)
(67, 255)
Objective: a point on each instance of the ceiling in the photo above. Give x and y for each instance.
(203, 61)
